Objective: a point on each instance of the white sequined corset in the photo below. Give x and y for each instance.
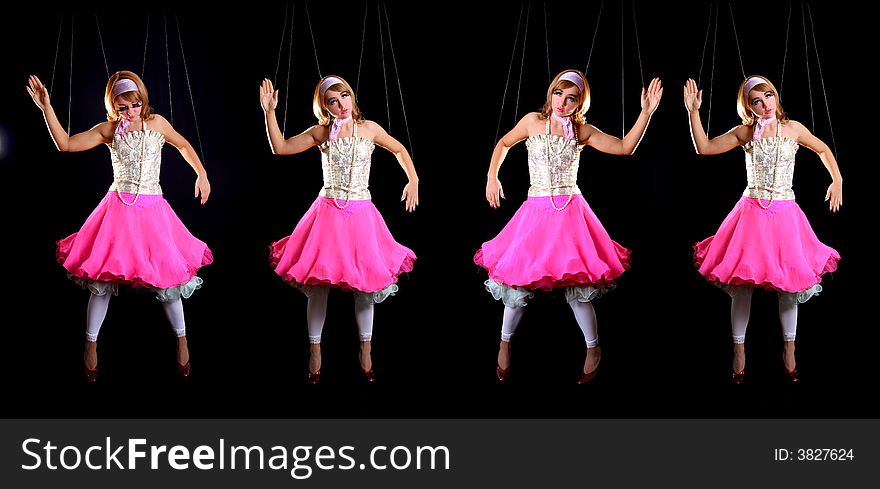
(345, 164)
(137, 158)
(770, 177)
(553, 165)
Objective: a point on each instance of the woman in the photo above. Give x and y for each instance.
(555, 240)
(766, 241)
(342, 240)
(133, 237)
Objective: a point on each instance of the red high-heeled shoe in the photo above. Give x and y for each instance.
(502, 373)
(739, 377)
(369, 375)
(314, 377)
(91, 373)
(793, 376)
(587, 376)
(184, 369)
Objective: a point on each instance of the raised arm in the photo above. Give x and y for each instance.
(834, 194)
(101, 133)
(494, 191)
(737, 136)
(279, 145)
(606, 143)
(202, 187)
(411, 190)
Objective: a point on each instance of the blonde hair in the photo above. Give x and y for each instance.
(320, 108)
(579, 114)
(743, 105)
(139, 96)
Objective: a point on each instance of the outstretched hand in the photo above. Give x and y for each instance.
(38, 92)
(834, 196)
(411, 196)
(494, 192)
(651, 97)
(268, 95)
(693, 98)
(203, 188)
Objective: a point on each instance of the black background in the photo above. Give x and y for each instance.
(664, 332)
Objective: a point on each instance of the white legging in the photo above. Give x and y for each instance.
(740, 309)
(316, 312)
(584, 314)
(97, 311)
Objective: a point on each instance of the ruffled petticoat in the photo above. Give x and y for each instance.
(772, 248)
(542, 248)
(143, 245)
(348, 248)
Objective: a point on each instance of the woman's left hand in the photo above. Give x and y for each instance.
(834, 196)
(411, 195)
(203, 188)
(651, 97)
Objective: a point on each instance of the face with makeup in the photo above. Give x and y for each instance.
(338, 103)
(564, 101)
(128, 105)
(762, 103)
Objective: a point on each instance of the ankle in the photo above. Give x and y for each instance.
(314, 357)
(366, 358)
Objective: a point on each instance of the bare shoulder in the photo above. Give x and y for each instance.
(370, 129)
(318, 130)
(105, 129)
(533, 118)
(795, 127)
(319, 134)
(159, 124)
(371, 125)
(533, 122)
(586, 129)
(743, 133)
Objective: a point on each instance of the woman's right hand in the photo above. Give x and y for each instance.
(38, 92)
(268, 96)
(693, 98)
(494, 192)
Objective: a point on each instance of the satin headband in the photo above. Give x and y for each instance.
(574, 78)
(752, 83)
(327, 83)
(123, 85)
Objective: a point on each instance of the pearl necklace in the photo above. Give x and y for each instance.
(140, 169)
(775, 164)
(350, 168)
(552, 187)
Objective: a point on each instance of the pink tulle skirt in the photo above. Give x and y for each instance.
(144, 245)
(349, 248)
(771, 248)
(542, 248)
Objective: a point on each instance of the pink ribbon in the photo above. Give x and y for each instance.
(566, 126)
(761, 125)
(337, 125)
(122, 127)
